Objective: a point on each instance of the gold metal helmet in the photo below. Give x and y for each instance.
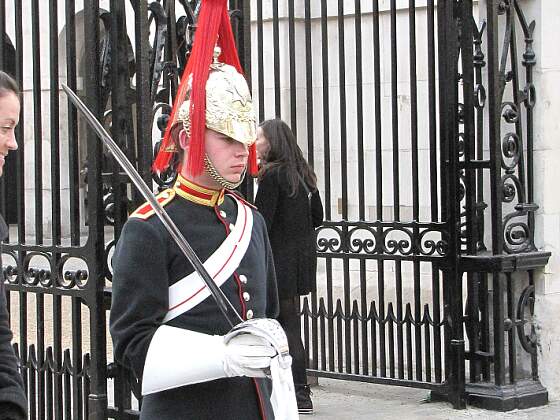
(211, 94)
(229, 107)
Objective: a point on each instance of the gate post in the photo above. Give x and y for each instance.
(502, 347)
(97, 398)
(448, 36)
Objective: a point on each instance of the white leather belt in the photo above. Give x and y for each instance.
(191, 290)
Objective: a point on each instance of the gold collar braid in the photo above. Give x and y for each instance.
(197, 193)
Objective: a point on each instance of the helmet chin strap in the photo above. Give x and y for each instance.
(215, 175)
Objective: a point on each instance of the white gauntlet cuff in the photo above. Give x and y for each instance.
(178, 357)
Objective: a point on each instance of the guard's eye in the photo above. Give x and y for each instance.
(228, 139)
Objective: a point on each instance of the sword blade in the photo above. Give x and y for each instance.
(221, 300)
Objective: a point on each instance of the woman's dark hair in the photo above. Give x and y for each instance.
(285, 152)
(8, 84)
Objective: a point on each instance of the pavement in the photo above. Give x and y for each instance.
(336, 399)
(348, 400)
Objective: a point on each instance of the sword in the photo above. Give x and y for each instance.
(222, 301)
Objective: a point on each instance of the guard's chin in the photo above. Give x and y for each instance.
(235, 178)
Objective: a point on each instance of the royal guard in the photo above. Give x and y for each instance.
(164, 322)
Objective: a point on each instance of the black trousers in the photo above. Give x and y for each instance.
(290, 321)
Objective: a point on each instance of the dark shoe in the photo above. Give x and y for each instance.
(303, 397)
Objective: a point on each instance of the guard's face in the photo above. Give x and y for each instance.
(228, 156)
(9, 118)
(263, 145)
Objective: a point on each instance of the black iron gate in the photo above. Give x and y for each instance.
(418, 122)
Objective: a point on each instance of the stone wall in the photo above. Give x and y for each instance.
(547, 173)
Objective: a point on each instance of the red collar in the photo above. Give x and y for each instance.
(197, 193)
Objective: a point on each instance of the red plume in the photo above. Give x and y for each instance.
(253, 166)
(213, 25)
(226, 42)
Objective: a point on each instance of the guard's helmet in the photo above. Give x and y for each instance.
(213, 93)
(229, 107)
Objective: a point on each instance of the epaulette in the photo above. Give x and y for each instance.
(241, 198)
(145, 211)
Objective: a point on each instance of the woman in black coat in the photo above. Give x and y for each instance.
(13, 403)
(289, 200)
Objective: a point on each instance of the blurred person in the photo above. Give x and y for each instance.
(288, 199)
(13, 402)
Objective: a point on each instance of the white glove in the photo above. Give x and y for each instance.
(178, 357)
(257, 348)
(247, 354)
(283, 398)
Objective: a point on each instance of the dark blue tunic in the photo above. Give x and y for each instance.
(147, 261)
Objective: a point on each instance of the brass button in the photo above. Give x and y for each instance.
(246, 297)
(222, 213)
(231, 226)
(249, 314)
(243, 278)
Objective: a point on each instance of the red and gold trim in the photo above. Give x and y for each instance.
(145, 211)
(198, 194)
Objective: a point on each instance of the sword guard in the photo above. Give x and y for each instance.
(268, 328)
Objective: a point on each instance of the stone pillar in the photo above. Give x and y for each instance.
(547, 173)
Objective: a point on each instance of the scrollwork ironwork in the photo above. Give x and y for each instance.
(430, 247)
(329, 243)
(72, 272)
(527, 301)
(367, 242)
(516, 184)
(108, 266)
(404, 240)
(34, 275)
(10, 268)
(511, 149)
(510, 188)
(510, 112)
(45, 269)
(402, 246)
